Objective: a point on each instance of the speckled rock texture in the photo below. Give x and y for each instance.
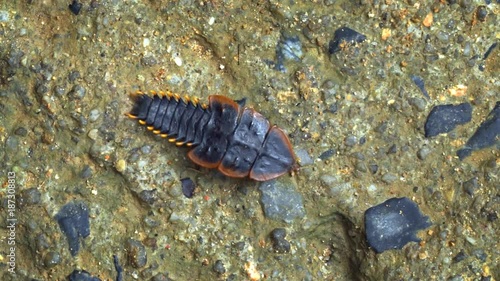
(356, 118)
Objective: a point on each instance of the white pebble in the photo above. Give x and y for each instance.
(178, 61)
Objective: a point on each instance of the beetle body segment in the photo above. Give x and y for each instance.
(224, 134)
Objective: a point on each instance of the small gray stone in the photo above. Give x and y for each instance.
(137, 255)
(423, 152)
(389, 178)
(149, 196)
(471, 185)
(281, 201)
(73, 75)
(86, 172)
(304, 158)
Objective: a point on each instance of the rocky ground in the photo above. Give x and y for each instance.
(401, 107)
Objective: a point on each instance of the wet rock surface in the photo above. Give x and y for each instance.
(355, 119)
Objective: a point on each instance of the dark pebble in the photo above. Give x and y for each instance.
(82, 275)
(492, 216)
(218, 267)
(351, 140)
(393, 224)
(281, 201)
(420, 84)
(78, 92)
(60, 90)
(21, 131)
(393, 149)
(470, 186)
(86, 172)
(14, 58)
(30, 196)
(75, 7)
(73, 219)
(485, 136)
(280, 244)
(481, 13)
(373, 168)
(118, 268)
(480, 254)
(42, 89)
(137, 255)
(451, 24)
(149, 196)
(327, 154)
(41, 242)
(344, 35)
(73, 75)
(459, 257)
(188, 187)
(490, 49)
(444, 118)
(51, 259)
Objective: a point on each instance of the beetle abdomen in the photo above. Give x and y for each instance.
(224, 134)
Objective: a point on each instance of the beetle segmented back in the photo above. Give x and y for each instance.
(225, 134)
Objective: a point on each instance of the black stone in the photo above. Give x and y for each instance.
(21, 131)
(280, 244)
(444, 118)
(490, 49)
(420, 84)
(459, 257)
(218, 267)
(73, 219)
(149, 196)
(327, 154)
(82, 275)
(344, 35)
(188, 187)
(394, 223)
(486, 135)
